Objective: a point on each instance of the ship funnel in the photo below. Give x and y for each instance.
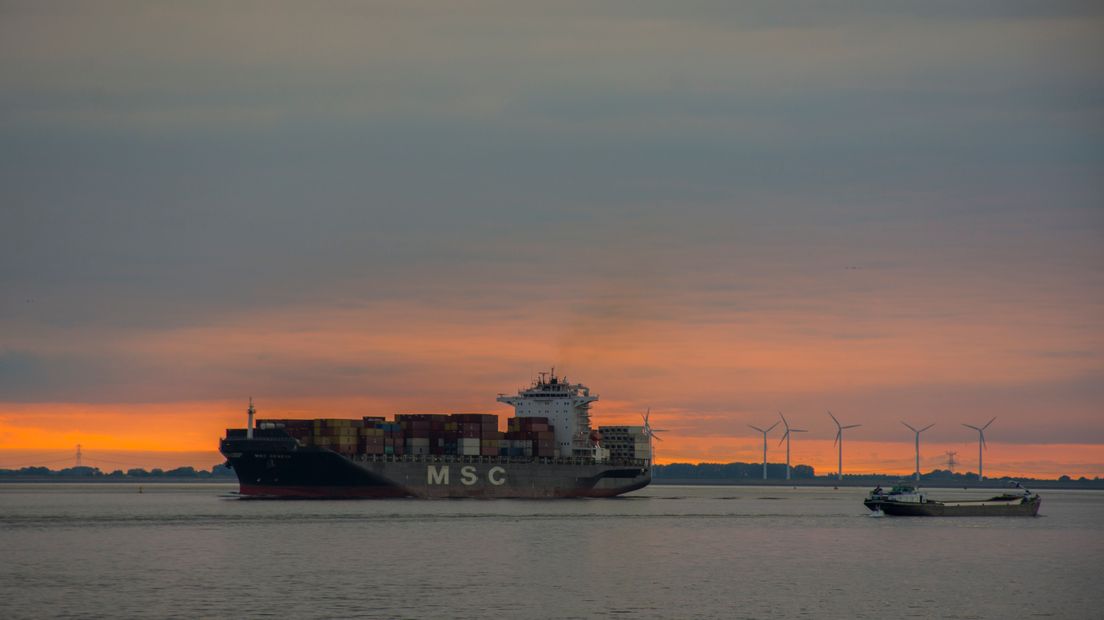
(249, 429)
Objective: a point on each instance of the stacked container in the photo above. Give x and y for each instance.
(533, 436)
(428, 433)
(371, 440)
(626, 443)
(300, 430)
(461, 434)
(337, 434)
(391, 433)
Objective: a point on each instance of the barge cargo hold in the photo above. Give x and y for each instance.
(548, 451)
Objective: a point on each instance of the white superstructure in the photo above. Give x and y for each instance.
(567, 407)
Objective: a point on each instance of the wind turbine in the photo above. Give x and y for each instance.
(839, 440)
(786, 438)
(981, 443)
(769, 428)
(651, 433)
(917, 445)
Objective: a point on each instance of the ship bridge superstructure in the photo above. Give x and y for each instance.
(567, 407)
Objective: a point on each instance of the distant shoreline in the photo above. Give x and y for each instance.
(700, 474)
(1091, 485)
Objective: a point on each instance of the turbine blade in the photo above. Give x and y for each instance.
(836, 440)
(909, 426)
(926, 427)
(798, 430)
(973, 427)
(784, 436)
(783, 419)
(833, 418)
(988, 423)
(772, 426)
(757, 428)
(851, 426)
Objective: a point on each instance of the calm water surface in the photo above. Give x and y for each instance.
(664, 552)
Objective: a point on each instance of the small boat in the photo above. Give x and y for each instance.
(906, 500)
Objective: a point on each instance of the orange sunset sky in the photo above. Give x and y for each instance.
(716, 213)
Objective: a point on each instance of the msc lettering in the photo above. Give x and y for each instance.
(468, 476)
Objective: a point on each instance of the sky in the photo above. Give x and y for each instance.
(893, 211)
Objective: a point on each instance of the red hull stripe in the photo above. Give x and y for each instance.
(366, 492)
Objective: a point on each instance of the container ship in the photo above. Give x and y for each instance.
(548, 450)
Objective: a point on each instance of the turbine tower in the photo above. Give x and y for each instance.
(839, 440)
(769, 428)
(786, 438)
(651, 433)
(981, 443)
(917, 444)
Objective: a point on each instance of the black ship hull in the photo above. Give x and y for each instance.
(1003, 506)
(281, 468)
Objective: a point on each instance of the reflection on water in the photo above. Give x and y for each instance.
(726, 552)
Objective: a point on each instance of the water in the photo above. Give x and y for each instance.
(190, 551)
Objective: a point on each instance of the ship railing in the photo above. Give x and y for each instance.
(489, 460)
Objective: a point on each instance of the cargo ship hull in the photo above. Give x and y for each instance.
(268, 468)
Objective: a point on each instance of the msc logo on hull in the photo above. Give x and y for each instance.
(468, 476)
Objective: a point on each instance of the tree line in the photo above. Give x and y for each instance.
(216, 472)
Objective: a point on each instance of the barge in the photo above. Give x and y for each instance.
(907, 500)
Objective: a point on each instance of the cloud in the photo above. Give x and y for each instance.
(703, 208)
